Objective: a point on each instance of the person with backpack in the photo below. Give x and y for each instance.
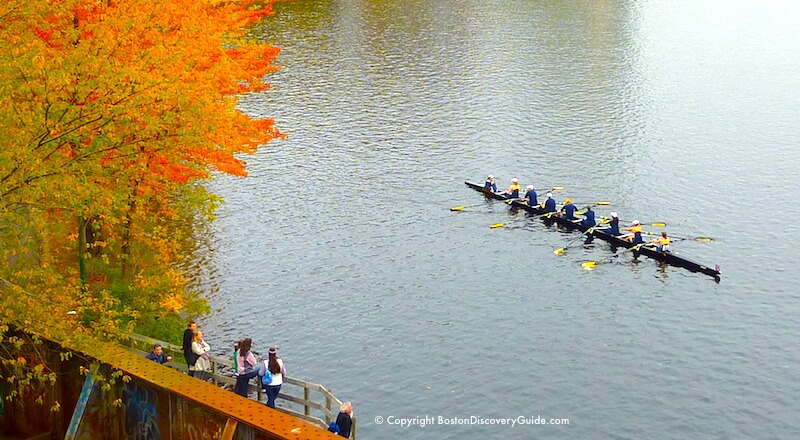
(272, 376)
(248, 367)
(344, 421)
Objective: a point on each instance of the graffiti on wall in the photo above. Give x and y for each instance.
(201, 424)
(141, 414)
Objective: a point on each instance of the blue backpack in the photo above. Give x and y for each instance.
(266, 379)
(334, 427)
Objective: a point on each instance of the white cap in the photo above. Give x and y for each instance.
(635, 222)
(530, 187)
(514, 180)
(549, 194)
(613, 214)
(491, 176)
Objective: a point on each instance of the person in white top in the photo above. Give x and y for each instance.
(275, 366)
(201, 349)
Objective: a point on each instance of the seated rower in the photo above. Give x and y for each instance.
(513, 190)
(490, 184)
(550, 203)
(662, 243)
(531, 196)
(588, 219)
(613, 225)
(568, 210)
(636, 230)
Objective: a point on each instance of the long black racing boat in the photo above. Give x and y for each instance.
(666, 257)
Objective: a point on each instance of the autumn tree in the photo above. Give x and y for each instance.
(111, 112)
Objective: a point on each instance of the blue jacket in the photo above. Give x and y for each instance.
(569, 211)
(589, 221)
(550, 205)
(613, 227)
(160, 358)
(490, 186)
(532, 198)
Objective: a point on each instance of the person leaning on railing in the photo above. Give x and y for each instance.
(248, 368)
(344, 421)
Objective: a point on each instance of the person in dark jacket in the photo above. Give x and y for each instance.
(345, 420)
(533, 199)
(490, 184)
(190, 356)
(550, 203)
(568, 210)
(613, 225)
(157, 355)
(589, 220)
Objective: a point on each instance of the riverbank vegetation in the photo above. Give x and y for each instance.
(112, 113)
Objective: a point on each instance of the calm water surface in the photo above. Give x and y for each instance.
(341, 246)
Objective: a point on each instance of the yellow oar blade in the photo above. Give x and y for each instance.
(703, 239)
(557, 188)
(457, 208)
(579, 212)
(659, 224)
(603, 203)
(559, 251)
(589, 264)
(497, 225)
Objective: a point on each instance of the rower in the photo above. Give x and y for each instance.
(662, 243)
(550, 203)
(636, 229)
(531, 196)
(588, 219)
(490, 184)
(613, 225)
(513, 191)
(568, 210)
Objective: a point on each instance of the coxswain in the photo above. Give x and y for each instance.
(490, 184)
(588, 218)
(662, 243)
(568, 210)
(636, 230)
(513, 191)
(613, 225)
(531, 196)
(550, 203)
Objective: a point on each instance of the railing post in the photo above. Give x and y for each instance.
(307, 398)
(328, 405)
(214, 371)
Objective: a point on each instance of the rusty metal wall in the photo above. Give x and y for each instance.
(153, 403)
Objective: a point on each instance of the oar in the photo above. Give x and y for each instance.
(500, 225)
(592, 264)
(560, 251)
(705, 239)
(461, 208)
(656, 224)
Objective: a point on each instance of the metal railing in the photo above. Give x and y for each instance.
(307, 400)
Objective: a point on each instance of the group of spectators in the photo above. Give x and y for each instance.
(270, 371)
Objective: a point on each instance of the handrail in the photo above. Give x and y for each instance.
(329, 409)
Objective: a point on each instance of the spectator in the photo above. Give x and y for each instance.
(248, 368)
(158, 355)
(203, 364)
(188, 334)
(275, 366)
(345, 419)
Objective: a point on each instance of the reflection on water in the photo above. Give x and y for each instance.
(341, 246)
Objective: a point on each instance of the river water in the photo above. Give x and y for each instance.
(341, 247)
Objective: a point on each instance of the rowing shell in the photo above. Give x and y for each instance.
(666, 257)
